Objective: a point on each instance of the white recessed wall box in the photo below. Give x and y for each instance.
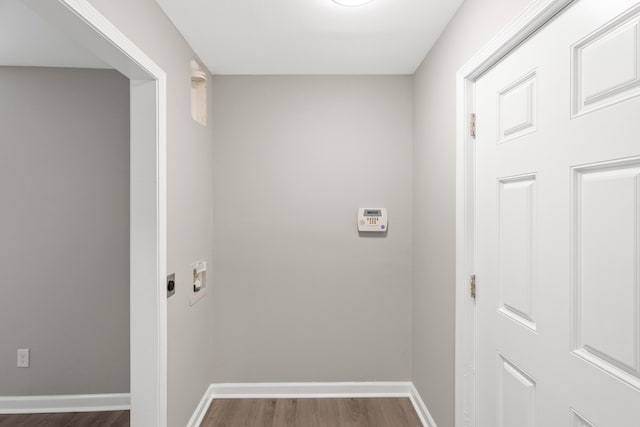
(199, 280)
(372, 219)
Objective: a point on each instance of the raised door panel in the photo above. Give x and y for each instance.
(517, 199)
(606, 64)
(579, 421)
(606, 299)
(517, 108)
(516, 402)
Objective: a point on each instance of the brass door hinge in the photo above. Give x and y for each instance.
(473, 125)
(473, 286)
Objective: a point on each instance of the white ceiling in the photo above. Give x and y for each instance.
(28, 40)
(310, 36)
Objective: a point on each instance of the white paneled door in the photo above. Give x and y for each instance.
(558, 225)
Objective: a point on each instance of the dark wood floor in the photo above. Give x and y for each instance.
(79, 419)
(374, 412)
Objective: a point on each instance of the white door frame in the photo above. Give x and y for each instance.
(148, 304)
(537, 14)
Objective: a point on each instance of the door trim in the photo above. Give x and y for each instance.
(148, 222)
(534, 16)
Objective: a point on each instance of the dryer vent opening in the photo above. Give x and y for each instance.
(198, 93)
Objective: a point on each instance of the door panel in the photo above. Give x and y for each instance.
(606, 288)
(517, 396)
(517, 232)
(558, 225)
(606, 64)
(579, 421)
(518, 108)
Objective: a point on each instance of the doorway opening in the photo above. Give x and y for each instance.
(147, 211)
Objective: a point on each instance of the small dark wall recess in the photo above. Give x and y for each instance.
(171, 284)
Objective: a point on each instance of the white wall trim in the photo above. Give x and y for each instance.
(421, 408)
(311, 390)
(65, 403)
(201, 409)
(537, 14)
(148, 329)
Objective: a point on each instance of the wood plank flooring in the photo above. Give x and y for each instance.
(369, 412)
(76, 419)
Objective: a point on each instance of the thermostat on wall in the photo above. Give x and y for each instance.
(372, 219)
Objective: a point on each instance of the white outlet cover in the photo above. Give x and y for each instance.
(23, 358)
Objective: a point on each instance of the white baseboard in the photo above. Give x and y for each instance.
(201, 409)
(311, 390)
(65, 403)
(421, 408)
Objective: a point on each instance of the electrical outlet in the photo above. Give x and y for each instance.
(23, 358)
(171, 284)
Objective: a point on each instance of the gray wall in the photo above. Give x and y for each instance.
(298, 295)
(189, 200)
(476, 22)
(64, 228)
